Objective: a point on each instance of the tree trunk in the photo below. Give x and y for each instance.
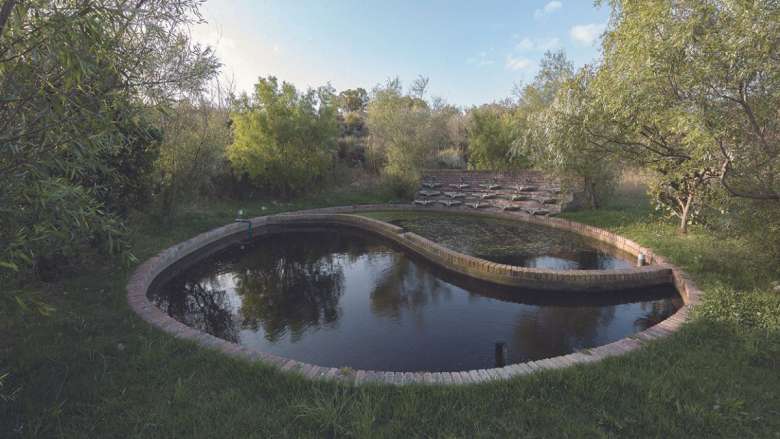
(5, 13)
(590, 191)
(686, 209)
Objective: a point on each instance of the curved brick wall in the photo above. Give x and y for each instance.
(142, 279)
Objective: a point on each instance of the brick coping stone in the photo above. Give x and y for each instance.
(572, 280)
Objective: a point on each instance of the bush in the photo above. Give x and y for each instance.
(192, 155)
(284, 140)
(751, 309)
(351, 150)
(78, 79)
(401, 186)
(490, 138)
(450, 159)
(399, 140)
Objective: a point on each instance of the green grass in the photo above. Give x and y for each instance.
(94, 369)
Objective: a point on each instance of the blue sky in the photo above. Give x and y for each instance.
(473, 52)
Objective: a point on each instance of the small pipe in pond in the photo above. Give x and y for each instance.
(641, 260)
(501, 354)
(249, 227)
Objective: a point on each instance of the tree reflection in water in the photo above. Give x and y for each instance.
(343, 298)
(405, 288)
(556, 330)
(291, 285)
(656, 313)
(203, 305)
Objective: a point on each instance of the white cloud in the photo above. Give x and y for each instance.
(484, 58)
(548, 9)
(513, 63)
(525, 44)
(540, 44)
(587, 33)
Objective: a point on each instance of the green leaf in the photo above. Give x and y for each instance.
(9, 265)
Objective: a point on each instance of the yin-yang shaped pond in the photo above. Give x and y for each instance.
(338, 297)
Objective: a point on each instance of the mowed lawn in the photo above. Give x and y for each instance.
(91, 368)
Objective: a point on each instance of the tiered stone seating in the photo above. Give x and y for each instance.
(528, 191)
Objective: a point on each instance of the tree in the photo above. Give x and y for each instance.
(353, 100)
(196, 133)
(491, 133)
(399, 134)
(558, 142)
(77, 79)
(419, 87)
(690, 89)
(448, 141)
(285, 140)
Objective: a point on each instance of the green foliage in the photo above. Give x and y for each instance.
(75, 147)
(7, 394)
(399, 127)
(450, 158)
(353, 100)
(353, 122)
(124, 179)
(715, 65)
(196, 133)
(554, 136)
(690, 91)
(752, 309)
(407, 133)
(285, 140)
(491, 133)
(447, 132)
(62, 222)
(756, 220)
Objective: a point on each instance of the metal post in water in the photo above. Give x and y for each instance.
(501, 354)
(248, 223)
(640, 260)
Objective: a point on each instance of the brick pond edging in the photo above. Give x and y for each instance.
(144, 276)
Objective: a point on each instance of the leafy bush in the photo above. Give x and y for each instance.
(399, 134)
(402, 186)
(284, 140)
(491, 133)
(75, 148)
(196, 132)
(752, 309)
(351, 150)
(450, 158)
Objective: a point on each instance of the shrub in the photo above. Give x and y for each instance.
(284, 140)
(450, 158)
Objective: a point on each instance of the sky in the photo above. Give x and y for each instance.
(473, 52)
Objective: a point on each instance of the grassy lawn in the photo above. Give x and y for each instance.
(94, 369)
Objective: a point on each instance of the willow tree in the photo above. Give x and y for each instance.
(77, 80)
(690, 90)
(550, 130)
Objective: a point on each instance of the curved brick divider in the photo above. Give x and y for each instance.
(221, 237)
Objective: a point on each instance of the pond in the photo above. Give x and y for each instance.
(512, 242)
(342, 298)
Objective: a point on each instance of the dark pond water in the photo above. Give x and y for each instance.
(341, 298)
(513, 242)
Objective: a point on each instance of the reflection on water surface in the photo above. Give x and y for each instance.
(512, 242)
(343, 298)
